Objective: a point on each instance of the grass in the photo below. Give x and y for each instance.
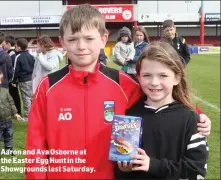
(204, 79)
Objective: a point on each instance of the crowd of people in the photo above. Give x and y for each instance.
(67, 109)
(21, 73)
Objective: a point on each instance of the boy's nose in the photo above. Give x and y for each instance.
(81, 44)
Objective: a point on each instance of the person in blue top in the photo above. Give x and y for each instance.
(140, 43)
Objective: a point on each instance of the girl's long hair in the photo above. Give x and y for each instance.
(46, 42)
(164, 53)
(143, 30)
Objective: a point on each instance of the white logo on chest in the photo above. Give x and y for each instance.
(65, 114)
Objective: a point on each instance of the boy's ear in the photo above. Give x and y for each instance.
(61, 42)
(104, 39)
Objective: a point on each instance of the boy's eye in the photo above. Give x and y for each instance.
(163, 76)
(72, 40)
(90, 39)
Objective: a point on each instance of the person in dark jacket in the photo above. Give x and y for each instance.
(172, 148)
(5, 62)
(102, 57)
(178, 42)
(8, 112)
(9, 46)
(23, 69)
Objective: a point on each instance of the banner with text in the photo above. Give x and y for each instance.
(176, 17)
(208, 50)
(30, 20)
(212, 17)
(113, 12)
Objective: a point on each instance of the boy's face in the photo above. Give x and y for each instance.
(17, 48)
(170, 32)
(6, 45)
(1, 77)
(83, 47)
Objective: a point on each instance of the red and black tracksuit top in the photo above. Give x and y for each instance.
(68, 114)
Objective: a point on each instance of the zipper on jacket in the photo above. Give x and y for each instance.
(85, 115)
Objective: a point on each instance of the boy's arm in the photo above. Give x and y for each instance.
(36, 134)
(193, 164)
(186, 53)
(12, 105)
(9, 67)
(16, 71)
(130, 87)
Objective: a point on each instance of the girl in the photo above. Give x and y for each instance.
(171, 146)
(124, 50)
(141, 42)
(47, 59)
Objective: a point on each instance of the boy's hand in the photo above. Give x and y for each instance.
(204, 126)
(127, 59)
(14, 85)
(142, 160)
(124, 166)
(18, 117)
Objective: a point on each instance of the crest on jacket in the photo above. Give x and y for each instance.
(108, 111)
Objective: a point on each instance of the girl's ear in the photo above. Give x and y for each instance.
(177, 80)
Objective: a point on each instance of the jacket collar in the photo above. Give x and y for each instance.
(83, 77)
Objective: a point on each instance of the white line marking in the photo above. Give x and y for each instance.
(207, 103)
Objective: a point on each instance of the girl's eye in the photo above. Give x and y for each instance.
(146, 75)
(163, 76)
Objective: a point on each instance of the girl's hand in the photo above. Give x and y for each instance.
(204, 126)
(142, 160)
(124, 166)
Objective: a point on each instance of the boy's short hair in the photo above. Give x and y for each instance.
(10, 39)
(2, 37)
(22, 43)
(82, 15)
(168, 23)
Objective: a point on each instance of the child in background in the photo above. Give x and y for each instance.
(8, 112)
(124, 50)
(178, 42)
(172, 148)
(46, 61)
(23, 68)
(141, 42)
(9, 46)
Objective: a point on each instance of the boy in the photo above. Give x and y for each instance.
(5, 62)
(69, 105)
(9, 46)
(179, 43)
(7, 109)
(23, 68)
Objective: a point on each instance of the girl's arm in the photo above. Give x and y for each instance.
(117, 54)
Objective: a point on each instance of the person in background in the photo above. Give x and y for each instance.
(140, 43)
(9, 46)
(8, 112)
(46, 60)
(178, 42)
(124, 50)
(5, 63)
(23, 69)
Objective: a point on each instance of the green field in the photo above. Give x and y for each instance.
(204, 79)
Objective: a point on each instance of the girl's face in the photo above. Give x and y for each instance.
(139, 36)
(157, 81)
(40, 48)
(124, 39)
